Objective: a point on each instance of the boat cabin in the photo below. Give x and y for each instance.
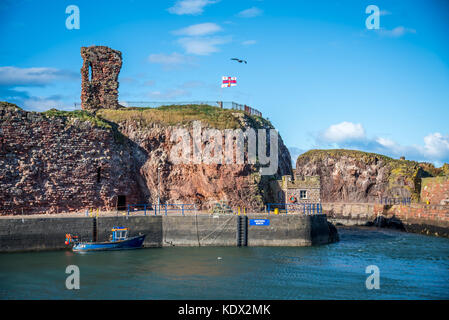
(119, 233)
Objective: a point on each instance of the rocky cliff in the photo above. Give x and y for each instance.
(63, 161)
(356, 176)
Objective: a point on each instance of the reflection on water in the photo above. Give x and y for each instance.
(412, 267)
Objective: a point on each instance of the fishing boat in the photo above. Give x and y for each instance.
(119, 241)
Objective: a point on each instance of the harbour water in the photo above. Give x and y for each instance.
(411, 266)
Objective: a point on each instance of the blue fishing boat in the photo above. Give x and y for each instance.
(119, 241)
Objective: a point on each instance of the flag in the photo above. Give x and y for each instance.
(228, 82)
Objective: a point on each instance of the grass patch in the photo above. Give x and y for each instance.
(78, 114)
(8, 105)
(174, 115)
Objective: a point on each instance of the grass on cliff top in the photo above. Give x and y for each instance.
(78, 114)
(368, 157)
(173, 115)
(8, 105)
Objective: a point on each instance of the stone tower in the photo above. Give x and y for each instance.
(99, 78)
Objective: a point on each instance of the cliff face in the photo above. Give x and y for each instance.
(202, 184)
(59, 161)
(355, 176)
(53, 163)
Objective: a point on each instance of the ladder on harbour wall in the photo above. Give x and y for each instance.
(94, 230)
(242, 231)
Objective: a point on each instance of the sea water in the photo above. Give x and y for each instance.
(411, 266)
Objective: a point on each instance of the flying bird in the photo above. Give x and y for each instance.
(239, 60)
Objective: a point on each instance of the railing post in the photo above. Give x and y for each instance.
(286, 208)
(145, 209)
(182, 208)
(165, 209)
(128, 209)
(269, 210)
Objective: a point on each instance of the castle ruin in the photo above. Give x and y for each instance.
(99, 78)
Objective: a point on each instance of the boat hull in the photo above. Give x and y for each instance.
(130, 243)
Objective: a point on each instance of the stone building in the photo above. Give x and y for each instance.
(99, 78)
(435, 190)
(293, 189)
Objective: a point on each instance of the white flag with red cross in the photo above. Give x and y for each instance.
(228, 82)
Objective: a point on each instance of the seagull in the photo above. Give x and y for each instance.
(239, 60)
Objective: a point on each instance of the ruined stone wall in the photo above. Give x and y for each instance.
(99, 78)
(435, 190)
(50, 164)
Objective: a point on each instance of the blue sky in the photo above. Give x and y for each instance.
(314, 69)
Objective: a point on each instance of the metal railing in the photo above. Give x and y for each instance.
(161, 209)
(393, 201)
(305, 208)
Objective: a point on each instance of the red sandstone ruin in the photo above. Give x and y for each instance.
(99, 78)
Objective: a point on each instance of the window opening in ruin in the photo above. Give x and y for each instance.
(98, 174)
(121, 202)
(90, 71)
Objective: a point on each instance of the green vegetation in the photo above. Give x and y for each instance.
(7, 105)
(182, 115)
(445, 169)
(366, 157)
(78, 114)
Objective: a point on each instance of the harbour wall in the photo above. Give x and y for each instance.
(32, 234)
(416, 217)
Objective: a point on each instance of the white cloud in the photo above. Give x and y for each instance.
(352, 136)
(43, 104)
(249, 42)
(387, 143)
(396, 32)
(192, 7)
(436, 146)
(13, 76)
(201, 29)
(343, 131)
(169, 60)
(202, 46)
(250, 13)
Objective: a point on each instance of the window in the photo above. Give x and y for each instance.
(90, 71)
(303, 194)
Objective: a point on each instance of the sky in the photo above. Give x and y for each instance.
(315, 70)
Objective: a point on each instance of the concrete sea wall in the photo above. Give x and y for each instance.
(417, 217)
(28, 234)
